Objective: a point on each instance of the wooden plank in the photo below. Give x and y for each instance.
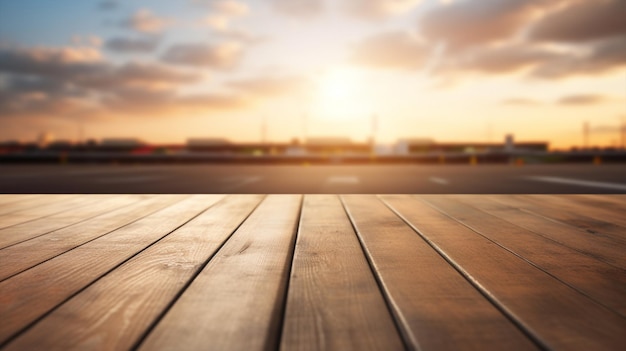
(334, 302)
(114, 312)
(29, 253)
(597, 246)
(437, 308)
(564, 213)
(59, 204)
(12, 203)
(27, 296)
(557, 315)
(83, 209)
(569, 203)
(236, 302)
(598, 280)
(11, 198)
(615, 203)
(8, 199)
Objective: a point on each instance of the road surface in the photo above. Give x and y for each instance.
(280, 179)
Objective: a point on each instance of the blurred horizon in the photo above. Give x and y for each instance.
(274, 70)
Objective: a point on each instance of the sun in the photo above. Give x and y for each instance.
(340, 93)
(339, 83)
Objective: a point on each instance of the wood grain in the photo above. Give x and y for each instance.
(573, 215)
(29, 295)
(82, 208)
(582, 206)
(50, 205)
(334, 302)
(598, 280)
(114, 312)
(29, 253)
(436, 306)
(557, 315)
(14, 203)
(615, 203)
(581, 240)
(236, 302)
(171, 272)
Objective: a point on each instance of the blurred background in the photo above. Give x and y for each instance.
(314, 96)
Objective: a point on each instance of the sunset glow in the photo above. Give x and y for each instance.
(164, 71)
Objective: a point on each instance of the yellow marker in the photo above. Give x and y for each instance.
(473, 160)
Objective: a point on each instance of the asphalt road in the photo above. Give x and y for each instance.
(389, 179)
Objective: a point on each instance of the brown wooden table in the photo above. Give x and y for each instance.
(314, 272)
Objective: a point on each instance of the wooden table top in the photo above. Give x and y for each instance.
(313, 272)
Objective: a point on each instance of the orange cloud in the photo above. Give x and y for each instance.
(586, 20)
(132, 45)
(222, 55)
(377, 9)
(582, 99)
(145, 21)
(391, 50)
(299, 8)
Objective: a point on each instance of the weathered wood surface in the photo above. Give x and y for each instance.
(314, 272)
(334, 302)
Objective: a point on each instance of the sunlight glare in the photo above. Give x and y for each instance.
(339, 83)
(340, 94)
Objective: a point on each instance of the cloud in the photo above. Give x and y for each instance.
(477, 22)
(135, 74)
(39, 105)
(600, 57)
(51, 62)
(87, 40)
(580, 21)
(40, 85)
(242, 36)
(582, 99)
(108, 5)
(268, 86)
(397, 50)
(517, 101)
(497, 60)
(166, 102)
(132, 45)
(223, 12)
(243, 93)
(39, 97)
(376, 9)
(230, 7)
(216, 22)
(67, 82)
(144, 21)
(299, 8)
(224, 55)
(497, 37)
(87, 68)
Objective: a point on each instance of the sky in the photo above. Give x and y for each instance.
(456, 70)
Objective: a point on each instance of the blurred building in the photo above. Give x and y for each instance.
(209, 145)
(414, 146)
(121, 144)
(335, 146)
